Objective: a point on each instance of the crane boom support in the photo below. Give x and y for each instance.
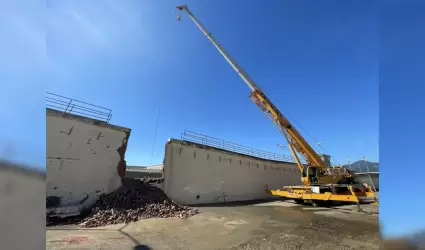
(294, 138)
(291, 134)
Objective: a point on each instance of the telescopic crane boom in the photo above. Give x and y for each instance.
(316, 170)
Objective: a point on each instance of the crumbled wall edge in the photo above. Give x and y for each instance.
(67, 211)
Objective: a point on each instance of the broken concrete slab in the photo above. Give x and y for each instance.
(85, 159)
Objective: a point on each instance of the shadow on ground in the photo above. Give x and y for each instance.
(254, 202)
(141, 247)
(236, 203)
(137, 245)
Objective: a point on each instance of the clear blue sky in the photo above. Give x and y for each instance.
(317, 61)
(402, 91)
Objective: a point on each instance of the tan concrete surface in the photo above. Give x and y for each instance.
(203, 175)
(22, 207)
(273, 225)
(72, 144)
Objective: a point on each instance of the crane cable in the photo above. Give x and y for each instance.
(179, 15)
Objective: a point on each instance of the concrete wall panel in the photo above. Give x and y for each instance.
(198, 175)
(22, 207)
(82, 161)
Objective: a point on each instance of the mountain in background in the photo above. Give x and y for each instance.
(418, 239)
(363, 166)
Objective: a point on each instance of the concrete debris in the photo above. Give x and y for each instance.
(134, 200)
(150, 180)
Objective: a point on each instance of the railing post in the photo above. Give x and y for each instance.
(71, 108)
(68, 105)
(109, 116)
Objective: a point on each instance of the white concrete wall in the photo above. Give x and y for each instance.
(82, 160)
(158, 166)
(195, 175)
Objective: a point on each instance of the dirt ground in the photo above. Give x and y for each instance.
(271, 225)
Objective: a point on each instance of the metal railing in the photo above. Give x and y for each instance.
(143, 170)
(72, 106)
(233, 147)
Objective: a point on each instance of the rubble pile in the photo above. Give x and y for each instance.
(150, 180)
(133, 201)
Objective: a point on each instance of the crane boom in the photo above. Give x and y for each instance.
(226, 55)
(321, 183)
(295, 140)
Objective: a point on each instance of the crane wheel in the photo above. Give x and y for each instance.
(299, 201)
(320, 203)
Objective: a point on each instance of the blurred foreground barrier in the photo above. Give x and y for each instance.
(22, 207)
(398, 244)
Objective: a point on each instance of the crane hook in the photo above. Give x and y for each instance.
(180, 8)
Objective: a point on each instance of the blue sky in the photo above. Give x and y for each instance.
(402, 77)
(319, 67)
(318, 62)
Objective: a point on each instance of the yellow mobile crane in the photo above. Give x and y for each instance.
(321, 181)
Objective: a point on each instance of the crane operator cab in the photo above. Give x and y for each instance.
(331, 175)
(325, 174)
(310, 175)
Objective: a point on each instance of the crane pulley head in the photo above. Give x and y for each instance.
(180, 8)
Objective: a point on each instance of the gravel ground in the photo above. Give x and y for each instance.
(271, 225)
(319, 234)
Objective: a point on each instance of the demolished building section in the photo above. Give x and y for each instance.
(85, 159)
(84, 155)
(86, 170)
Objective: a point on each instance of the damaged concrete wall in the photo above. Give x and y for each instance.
(195, 174)
(85, 158)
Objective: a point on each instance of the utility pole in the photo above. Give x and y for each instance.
(359, 167)
(349, 164)
(367, 166)
(370, 178)
(154, 139)
(282, 147)
(319, 145)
